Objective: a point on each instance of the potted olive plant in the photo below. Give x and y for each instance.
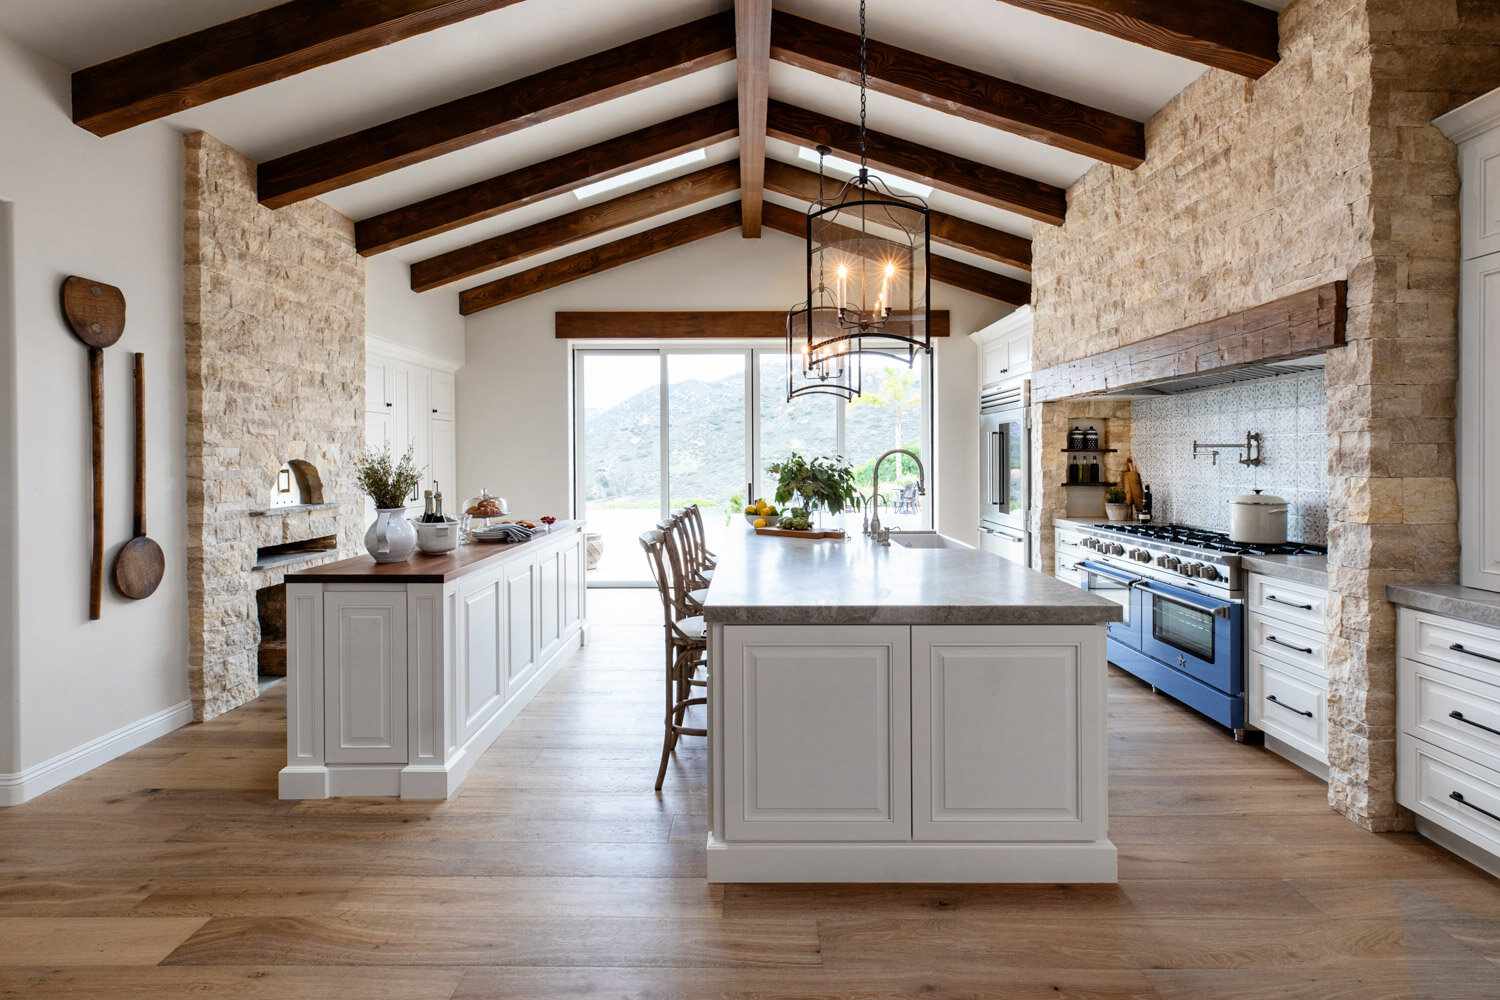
(1115, 507)
(822, 484)
(391, 538)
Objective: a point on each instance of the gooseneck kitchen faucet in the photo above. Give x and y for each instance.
(874, 528)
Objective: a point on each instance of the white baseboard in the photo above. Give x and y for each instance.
(33, 781)
(1089, 862)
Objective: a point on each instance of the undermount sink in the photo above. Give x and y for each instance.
(924, 540)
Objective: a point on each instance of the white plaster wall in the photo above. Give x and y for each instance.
(108, 209)
(10, 730)
(513, 391)
(429, 324)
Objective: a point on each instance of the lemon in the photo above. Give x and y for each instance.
(760, 522)
(752, 509)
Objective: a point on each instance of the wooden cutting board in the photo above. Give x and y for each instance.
(789, 533)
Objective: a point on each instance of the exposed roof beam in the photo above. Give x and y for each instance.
(248, 52)
(955, 90)
(691, 325)
(950, 230)
(589, 262)
(488, 198)
(752, 39)
(1226, 34)
(679, 192)
(945, 269)
(498, 111)
(954, 174)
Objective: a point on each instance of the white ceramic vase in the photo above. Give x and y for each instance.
(391, 539)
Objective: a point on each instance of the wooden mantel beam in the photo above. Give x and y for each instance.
(1227, 34)
(525, 185)
(249, 52)
(949, 230)
(955, 90)
(498, 111)
(592, 220)
(1000, 287)
(599, 259)
(954, 174)
(752, 39)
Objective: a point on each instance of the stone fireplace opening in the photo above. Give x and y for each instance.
(270, 606)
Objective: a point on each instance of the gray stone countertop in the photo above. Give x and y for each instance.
(1482, 607)
(1311, 570)
(768, 580)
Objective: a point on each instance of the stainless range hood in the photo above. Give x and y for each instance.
(1179, 384)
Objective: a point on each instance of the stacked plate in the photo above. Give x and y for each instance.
(504, 533)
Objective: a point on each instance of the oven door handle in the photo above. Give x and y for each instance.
(1114, 574)
(1220, 609)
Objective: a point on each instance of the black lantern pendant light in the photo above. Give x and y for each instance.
(868, 279)
(829, 369)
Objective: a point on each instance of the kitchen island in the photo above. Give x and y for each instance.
(918, 712)
(400, 675)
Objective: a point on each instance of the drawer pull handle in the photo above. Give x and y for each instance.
(1290, 604)
(1458, 647)
(1300, 649)
(1459, 798)
(1456, 714)
(1281, 704)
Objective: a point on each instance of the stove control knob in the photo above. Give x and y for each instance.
(1117, 549)
(1169, 562)
(1209, 573)
(1192, 569)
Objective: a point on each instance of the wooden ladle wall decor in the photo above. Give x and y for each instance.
(140, 564)
(96, 313)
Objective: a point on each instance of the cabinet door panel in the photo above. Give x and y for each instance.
(820, 721)
(1005, 733)
(549, 585)
(380, 384)
(444, 467)
(364, 635)
(484, 679)
(378, 430)
(442, 395)
(1481, 195)
(520, 621)
(1479, 424)
(572, 583)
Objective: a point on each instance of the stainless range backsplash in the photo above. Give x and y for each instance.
(1289, 412)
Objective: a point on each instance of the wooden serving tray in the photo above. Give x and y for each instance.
(789, 533)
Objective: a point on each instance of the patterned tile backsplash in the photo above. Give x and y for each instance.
(1290, 412)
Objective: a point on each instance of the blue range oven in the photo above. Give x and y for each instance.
(1182, 642)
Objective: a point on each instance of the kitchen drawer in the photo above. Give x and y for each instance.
(1288, 704)
(1471, 650)
(1289, 643)
(1455, 712)
(1296, 603)
(1454, 793)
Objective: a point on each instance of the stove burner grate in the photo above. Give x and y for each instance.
(1215, 541)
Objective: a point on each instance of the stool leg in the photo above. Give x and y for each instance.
(669, 735)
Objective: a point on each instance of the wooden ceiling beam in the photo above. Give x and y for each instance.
(496, 195)
(1227, 34)
(249, 52)
(498, 111)
(945, 171)
(498, 251)
(752, 39)
(690, 325)
(1000, 287)
(987, 100)
(949, 230)
(599, 259)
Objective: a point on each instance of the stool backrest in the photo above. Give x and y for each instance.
(654, 542)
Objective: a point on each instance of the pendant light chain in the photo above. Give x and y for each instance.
(864, 80)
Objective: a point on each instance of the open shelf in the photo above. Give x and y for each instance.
(1090, 484)
(1089, 451)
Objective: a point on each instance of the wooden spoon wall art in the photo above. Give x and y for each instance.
(140, 564)
(96, 313)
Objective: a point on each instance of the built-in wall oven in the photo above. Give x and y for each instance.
(1005, 467)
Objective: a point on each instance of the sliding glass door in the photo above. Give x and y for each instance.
(660, 428)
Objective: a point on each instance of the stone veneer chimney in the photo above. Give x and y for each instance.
(273, 304)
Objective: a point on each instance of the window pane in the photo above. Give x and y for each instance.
(888, 414)
(807, 424)
(621, 458)
(706, 437)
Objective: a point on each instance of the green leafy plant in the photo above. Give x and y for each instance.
(1114, 495)
(385, 482)
(825, 482)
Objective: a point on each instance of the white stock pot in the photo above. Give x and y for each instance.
(1257, 518)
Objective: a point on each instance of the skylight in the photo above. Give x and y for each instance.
(850, 168)
(640, 173)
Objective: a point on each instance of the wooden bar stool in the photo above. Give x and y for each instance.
(686, 641)
(679, 528)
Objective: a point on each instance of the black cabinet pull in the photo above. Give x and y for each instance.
(390, 404)
(1458, 647)
(1456, 714)
(1290, 604)
(1459, 798)
(1281, 704)
(1287, 645)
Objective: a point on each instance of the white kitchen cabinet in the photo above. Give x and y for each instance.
(1475, 127)
(573, 583)
(364, 657)
(1008, 545)
(1005, 347)
(441, 395)
(821, 719)
(481, 633)
(444, 464)
(550, 601)
(1021, 694)
(417, 401)
(521, 621)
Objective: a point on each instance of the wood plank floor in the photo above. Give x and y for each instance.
(557, 873)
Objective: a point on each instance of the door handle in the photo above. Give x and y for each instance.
(1290, 604)
(1281, 704)
(1287, 645)
(1456, 714)
(1458, 647)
